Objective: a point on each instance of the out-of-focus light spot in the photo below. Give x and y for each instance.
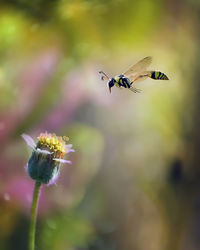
(34, 27)
(6, 197)
(73, 10)
(1, 76)
(28, 198)
(11, 29)
(51, 224)
(2, 125)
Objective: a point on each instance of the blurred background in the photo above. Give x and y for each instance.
(135, 179)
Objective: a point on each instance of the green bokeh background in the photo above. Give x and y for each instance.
(134, 180)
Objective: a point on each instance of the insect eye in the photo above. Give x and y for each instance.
(112, 83)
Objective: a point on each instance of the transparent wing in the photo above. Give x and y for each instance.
(139, 66)
(135, 90)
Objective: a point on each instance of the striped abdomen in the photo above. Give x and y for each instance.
(157, 75)
(123, 81)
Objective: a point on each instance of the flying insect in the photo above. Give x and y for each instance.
(133, 74)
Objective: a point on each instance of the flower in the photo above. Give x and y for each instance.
(47, 156)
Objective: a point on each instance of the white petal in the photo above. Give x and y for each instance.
(43, 151)
(29, 140)
(62, 160)
(69, 148)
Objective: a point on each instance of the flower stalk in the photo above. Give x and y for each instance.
(44, 168)
(33, 215)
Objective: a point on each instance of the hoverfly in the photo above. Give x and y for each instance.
(133, 74)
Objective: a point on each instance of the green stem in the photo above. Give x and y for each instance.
(33, 215)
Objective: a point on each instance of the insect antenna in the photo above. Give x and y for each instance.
(103, 76)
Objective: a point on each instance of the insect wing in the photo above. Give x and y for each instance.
(139, 66)
(135, 90)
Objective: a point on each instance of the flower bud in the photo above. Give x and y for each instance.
(47, 156)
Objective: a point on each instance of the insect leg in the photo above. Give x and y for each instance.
(103, 75)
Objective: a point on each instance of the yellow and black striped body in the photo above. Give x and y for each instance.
(122, 82)
(157, 75)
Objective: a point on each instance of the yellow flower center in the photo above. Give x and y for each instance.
(56, 144)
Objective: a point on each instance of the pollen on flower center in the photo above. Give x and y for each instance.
(56, 144)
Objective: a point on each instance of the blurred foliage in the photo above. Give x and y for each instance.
(65, 231)
(134, 181)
